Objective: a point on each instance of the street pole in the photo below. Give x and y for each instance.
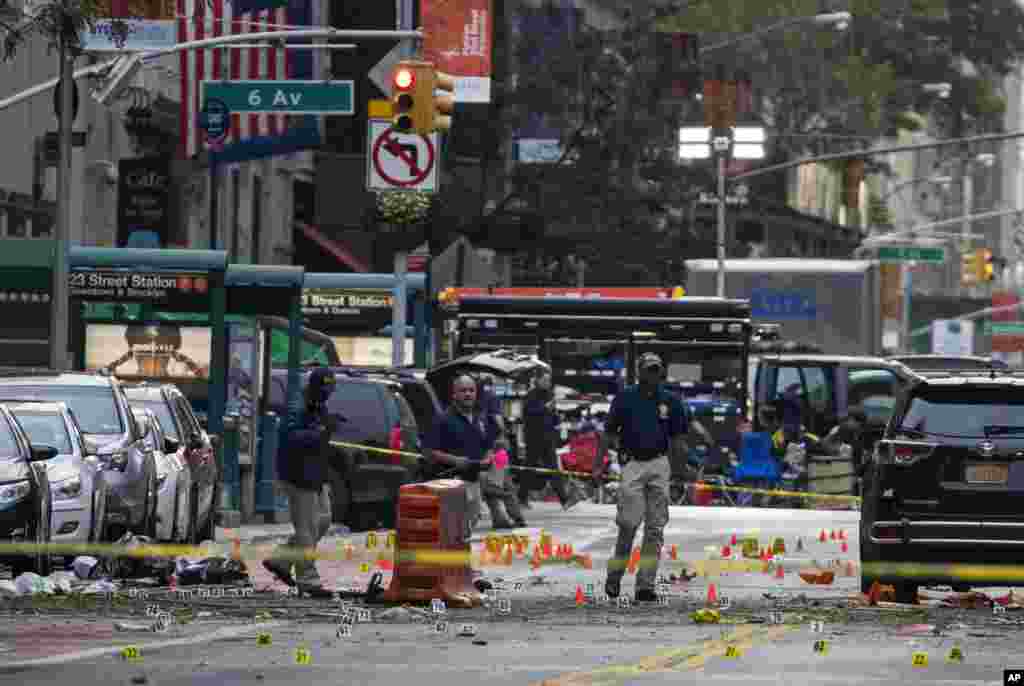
(400, 299)
(59, 306)
(721, 226)
(908, 288)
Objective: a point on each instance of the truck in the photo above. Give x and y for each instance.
(834, 304)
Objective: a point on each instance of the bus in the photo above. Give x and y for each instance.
(592, 343)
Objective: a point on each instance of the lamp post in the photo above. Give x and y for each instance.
(739, 142)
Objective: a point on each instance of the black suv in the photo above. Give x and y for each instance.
(372, 412)
(944, 485)
(26, 504)
(180, 424)
(413, 386)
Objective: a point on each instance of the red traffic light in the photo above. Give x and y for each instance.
(404, 79)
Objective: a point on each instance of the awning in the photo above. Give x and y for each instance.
(332, 247)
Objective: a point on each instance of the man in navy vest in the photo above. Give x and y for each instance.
(647, 422)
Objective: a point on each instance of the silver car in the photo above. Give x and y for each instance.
(79, 495)
(173, 480)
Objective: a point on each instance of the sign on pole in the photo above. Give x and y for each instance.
(282, 97)
(911, 253)
(400, 161)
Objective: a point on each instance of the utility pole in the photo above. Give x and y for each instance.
(59, 305)
(400, 298)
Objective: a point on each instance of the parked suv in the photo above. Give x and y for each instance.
(111, 434)
(179, 422)
(372, 412)
(944, 484)
(414, 387)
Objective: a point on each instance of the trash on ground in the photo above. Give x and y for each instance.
(706, 616)
(817, 576)
(30, 583)
(8, 589)
(132, 626)
(915, 629)
(86, 567)
(212, 570)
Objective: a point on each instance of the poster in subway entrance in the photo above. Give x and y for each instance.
(151, 351)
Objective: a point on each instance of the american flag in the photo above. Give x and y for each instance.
(199, 19)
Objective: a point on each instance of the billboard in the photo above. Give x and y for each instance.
(145, 25)
(143, 206)
(458, 40)
(151, 351)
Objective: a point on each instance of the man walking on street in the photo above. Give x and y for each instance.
(495, 483)
(302, 470)
(541, 428)
(461, 439)
(649, 422)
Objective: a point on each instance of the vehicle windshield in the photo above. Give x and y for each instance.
(45, 428)
(94, 406)
(964, 413)
(702, 373)
(12, 466)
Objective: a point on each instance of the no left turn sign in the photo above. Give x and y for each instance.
(400, 161)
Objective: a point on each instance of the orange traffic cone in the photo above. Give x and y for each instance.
(726, 551)
(508, 556)
(568, 546)
(842, 534)
(850, 570)
(588, 562)
(349, 552)
(520, 548)
(712, 595)
(385, 564)
(833, 535)
(780, 573)
(579, 596)
(535, 560)
(172, 584)
(844, 548)
(634, 561)
(733, 540)
(822, 537)
(675, 552)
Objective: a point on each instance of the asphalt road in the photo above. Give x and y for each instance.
(547, 638)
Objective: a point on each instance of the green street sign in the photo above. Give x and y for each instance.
(1004, 328)
(282, 97)
(911, 253)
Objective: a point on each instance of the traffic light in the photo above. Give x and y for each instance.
(969, 268)
(853, 175)
(986, 269)
(416, 106)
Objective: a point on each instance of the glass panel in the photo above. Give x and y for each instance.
(95, 408)
(45, 429)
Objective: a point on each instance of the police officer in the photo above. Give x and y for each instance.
(648, 422)
(302, 470)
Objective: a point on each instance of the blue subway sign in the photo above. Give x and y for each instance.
(767, 303)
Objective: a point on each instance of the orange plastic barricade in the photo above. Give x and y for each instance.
(432, 519)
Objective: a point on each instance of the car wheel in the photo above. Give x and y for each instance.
(148, 525)
(386, 514)
(341, 497)
(98, 525)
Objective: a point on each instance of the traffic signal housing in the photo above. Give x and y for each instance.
(853, 176)
(969, 268)
(986, 268)
(416, 106)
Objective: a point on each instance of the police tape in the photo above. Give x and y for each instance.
(944, 571)
(839, 498)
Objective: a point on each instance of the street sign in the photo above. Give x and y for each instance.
(400, 161)
(712, 199)
(282, 97)
(911, 253)
(214, 119)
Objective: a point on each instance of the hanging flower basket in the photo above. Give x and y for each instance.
(403, 208)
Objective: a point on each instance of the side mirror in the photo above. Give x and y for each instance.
(41, 452)
(91, 449)
(195, 442)
(171, 445)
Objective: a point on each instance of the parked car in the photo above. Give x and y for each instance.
(195, 448)
(943, 485)
(173, 482)
(363, 485)
(26, 506)
(414, 387)
(111, 434)
(78, 491)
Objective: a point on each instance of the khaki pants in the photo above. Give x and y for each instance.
(472, 506)
(305, 509)
(500, 497)
(643, 497)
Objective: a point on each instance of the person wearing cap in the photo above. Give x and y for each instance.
(647, 422)
(302, 470)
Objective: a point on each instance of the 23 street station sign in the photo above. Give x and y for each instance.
(174, 291)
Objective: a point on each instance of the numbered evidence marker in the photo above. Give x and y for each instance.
(919, 659)
(344, 631)
(503, 606)
(263, 639)
(821, 647)
(623, 602)
(371, 540)
(163, 622)
(440, 627)
(302, 656)
(724, 602)
(131, 653)
(818, 626)
(956, 654)
(732, 651)
(467, 630)
(364, 568)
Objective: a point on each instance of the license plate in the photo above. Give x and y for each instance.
(987, 473)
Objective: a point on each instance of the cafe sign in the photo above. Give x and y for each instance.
(173, 290)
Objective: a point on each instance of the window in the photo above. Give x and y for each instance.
(360, 404)
(785, 377)
(46, 429)
(819, 390)
(871, 383)
(257, 217)
(189, 423)
(163, 412)
(8, 443)
(965, 413)
(95, 407)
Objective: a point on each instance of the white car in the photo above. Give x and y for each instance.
(79, 497)
(173, 478)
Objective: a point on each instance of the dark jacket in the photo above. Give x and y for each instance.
(305, 440)
(540, 424)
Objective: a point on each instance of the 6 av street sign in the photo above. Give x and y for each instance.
(282, 97)
(911, 253)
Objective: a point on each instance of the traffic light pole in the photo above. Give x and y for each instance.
(720, 240)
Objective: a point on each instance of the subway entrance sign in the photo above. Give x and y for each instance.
(178, 291)
(911, 253)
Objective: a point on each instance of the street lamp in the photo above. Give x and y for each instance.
(840, 20)
(744, 143)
